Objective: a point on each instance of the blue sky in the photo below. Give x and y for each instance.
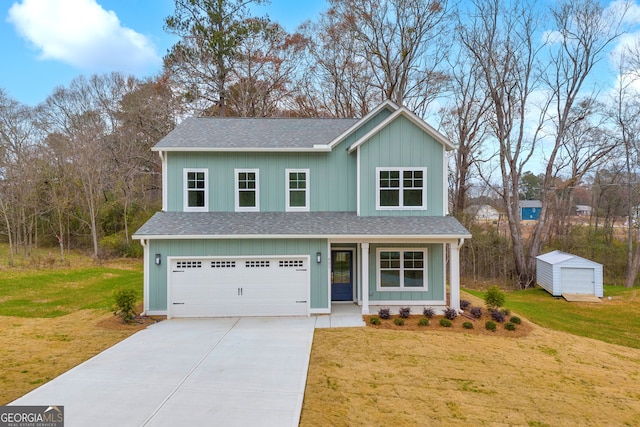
(46, 43)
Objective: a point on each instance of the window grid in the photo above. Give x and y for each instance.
(297, 189)
(223, 264)
(400, 188)
(189, 264)
(291, 263)
(256, 264)
(401, 269)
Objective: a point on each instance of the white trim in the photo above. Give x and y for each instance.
(316, 148)
(354, 275)
(402, 288)
(156, 313)
(145, 278)
(288, 207)
(401, 206)
(185, 190)
(378, 303)
(358, 172)
(365, 276)
(319, 311)
(238, 208)
(445, 184)
(426, 127)
(336, 238)
(165, 180)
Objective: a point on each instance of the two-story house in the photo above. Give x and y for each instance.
(287, 216)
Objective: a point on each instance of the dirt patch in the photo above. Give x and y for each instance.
(478, 325)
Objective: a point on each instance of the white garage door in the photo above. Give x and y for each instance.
(217, 287)
(577, 280)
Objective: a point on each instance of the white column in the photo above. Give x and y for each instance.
(365, 277)
(454, 276)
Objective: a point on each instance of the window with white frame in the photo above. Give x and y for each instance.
(402, 269)
(247, 190)
(401, 189)
(196, 190)
(297, 193)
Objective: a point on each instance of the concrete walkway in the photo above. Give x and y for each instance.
(190, 372)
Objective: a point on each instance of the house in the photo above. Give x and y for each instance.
(583, 210)
(483, 212)
(562, 273)
(275, 216)
(530, 209)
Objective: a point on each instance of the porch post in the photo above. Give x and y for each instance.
(365, 276)
(454, 275)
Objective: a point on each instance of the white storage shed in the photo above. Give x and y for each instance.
(562, 273)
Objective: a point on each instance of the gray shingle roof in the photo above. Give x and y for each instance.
(261, 133)
(307, 224)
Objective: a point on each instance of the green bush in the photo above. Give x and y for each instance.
(398, 321)
(506, 311)
(510, 326)
(494, 298)
(423, 322)
(446, 323)
(467, 325)
(490, 325)
(374, 320)
(515, 319)
(125, 304)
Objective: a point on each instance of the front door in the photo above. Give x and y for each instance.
(341, 275)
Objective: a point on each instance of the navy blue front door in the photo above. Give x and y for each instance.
(341, 275)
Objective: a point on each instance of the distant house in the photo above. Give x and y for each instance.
(530, 209)
(483, 212)
(583, 210)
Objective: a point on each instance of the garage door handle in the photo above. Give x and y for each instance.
(178, 303)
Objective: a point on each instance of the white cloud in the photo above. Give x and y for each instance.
(82, 34)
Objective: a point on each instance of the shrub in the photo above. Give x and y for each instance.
(384, 313)
(429, 312)
(510, 326)
(515, 319)
(405, 312)
(491, 326)
(467, 325)
(498, 316)
(450, 313)
(464, 304)
(446, 323)
(494, 298)
(476, 312)
(398, 321)
(506, 311)
(125, 304)
(374, 320)
(423, 322)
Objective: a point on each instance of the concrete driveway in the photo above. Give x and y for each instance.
(190, 372)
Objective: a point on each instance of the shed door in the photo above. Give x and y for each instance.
(577, 280)
(216, 287)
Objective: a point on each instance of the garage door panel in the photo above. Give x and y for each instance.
(239, 287)
(577, 280)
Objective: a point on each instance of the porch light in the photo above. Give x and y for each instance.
(158, 259)
(318, 257)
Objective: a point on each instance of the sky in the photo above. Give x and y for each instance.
(44, 44)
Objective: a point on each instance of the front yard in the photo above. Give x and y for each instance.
(53, 318)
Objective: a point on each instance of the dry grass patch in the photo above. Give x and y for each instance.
(36, 350)
(371, 376)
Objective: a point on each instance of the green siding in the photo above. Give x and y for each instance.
(158, 274)
(401, 144)
(436, 286)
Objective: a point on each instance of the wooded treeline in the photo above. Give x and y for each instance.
(515, 85)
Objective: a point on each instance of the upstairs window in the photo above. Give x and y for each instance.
(196, 193)
(297, 193)
(401, 189)
(247, 190)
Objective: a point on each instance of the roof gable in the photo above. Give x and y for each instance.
(404, 112)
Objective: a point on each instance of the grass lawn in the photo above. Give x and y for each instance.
(53, 318)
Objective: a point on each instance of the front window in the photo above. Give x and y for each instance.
(297, 195)
(401, 269)
(247, 190)
(401, 188)
(195, 190)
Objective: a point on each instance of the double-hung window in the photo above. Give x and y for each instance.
(196, 190)
(401, 189)
(247, 190)
(297, 190)
(402, 269)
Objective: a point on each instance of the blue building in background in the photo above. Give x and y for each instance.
(530, 210)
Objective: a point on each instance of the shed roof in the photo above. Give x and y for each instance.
(558, 257)
(178, 225)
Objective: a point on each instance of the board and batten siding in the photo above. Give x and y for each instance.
(257, 247)
(435, 276)
(402, 144)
